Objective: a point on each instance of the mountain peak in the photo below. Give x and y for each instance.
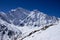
(20, 14)
(19, 9)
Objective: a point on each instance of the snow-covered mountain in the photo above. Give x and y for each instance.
(37, 18)
(20, 16)
(8, 31)
(19, 23)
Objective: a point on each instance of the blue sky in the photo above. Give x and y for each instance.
(50, 7)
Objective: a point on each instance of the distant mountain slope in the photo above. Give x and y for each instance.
(20, 16)
(37, 18)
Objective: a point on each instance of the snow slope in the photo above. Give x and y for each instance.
(22, 24)
(52, 33)
(8, 31)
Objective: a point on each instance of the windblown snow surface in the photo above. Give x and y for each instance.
(51, 33)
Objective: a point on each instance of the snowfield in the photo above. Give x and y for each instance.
(51, 33)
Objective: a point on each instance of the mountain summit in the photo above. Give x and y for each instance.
(22, 16)
(19, 22)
